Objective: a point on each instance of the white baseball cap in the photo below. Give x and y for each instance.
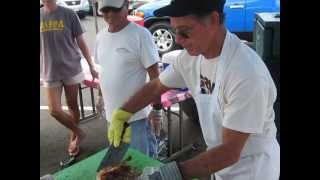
(111, 3)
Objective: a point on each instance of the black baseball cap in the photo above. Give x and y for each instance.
(178, 8)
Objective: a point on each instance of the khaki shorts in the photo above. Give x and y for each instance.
(71, 81)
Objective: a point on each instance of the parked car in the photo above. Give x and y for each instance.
(240, 16)
(133, 4)
(81, 7)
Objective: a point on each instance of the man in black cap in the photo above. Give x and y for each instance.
(234, 93)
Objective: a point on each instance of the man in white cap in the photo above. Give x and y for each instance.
(126, 54)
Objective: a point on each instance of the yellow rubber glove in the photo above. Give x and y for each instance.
(119, 117)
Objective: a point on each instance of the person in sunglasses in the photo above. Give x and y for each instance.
(126, 54)
(61, 38)
(234, 93)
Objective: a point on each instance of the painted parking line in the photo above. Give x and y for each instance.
(86, 108)
(89, 108)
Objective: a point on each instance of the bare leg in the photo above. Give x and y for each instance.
(71, 93)
(55, 110)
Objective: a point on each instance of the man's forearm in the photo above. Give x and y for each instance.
(149, 93)
(209, 162)
(154, 72)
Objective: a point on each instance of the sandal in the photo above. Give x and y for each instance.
(74, 145)
(73, 151)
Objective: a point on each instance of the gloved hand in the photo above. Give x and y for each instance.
(155, 119)
(119, 117)
(165, 172)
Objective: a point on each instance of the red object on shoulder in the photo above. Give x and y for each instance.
(136, 19)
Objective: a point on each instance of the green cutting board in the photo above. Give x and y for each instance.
(86, 169)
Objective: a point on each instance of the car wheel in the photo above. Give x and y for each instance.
(163, 37)
(81, 15)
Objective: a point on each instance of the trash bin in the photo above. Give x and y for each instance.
(267, 44)
(267, 36)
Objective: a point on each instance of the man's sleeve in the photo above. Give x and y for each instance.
(76, 27)
(246, 106)
(148, 50)
(172, 77)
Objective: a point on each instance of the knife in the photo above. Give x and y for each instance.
(114, 155)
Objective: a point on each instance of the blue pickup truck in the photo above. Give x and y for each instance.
(240, 17)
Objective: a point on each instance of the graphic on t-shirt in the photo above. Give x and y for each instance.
(51, 25)
(206, 85)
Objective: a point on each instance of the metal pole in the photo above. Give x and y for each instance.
(93, 2)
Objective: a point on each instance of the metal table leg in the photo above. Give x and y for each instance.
(92, 101)
(81, 102)
(94, 113)
(169, 132)
(180, 127)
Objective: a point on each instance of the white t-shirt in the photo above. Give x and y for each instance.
(208, 70)
(248, 91)
(124, 57)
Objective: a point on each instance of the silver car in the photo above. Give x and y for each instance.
(81, 7)
(133, 4)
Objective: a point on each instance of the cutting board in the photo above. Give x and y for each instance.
(86, 169)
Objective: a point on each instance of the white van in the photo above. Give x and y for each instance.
(133, 4)
(81, 7)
